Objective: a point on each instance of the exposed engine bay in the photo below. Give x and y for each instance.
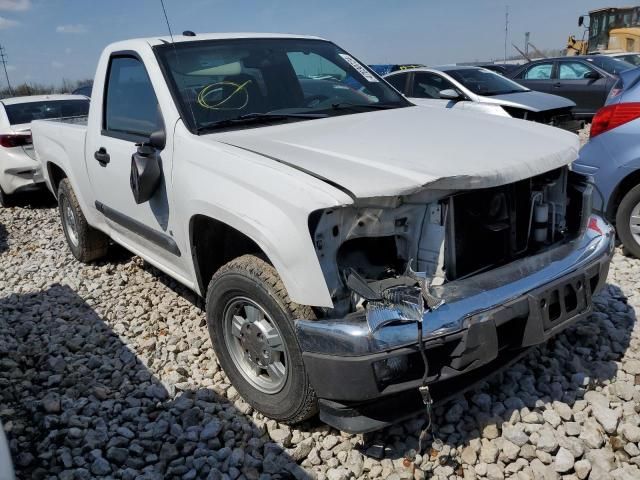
(383, 250)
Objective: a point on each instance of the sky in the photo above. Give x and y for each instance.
(47, 41)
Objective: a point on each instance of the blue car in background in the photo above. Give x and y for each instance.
(612, 157)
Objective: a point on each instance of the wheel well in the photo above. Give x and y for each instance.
(56, 175)
(214, 243)
(620, 191)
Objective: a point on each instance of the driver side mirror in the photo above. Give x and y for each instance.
(449, 94)
(158, 139)
(146, 170)
(592, 75)
(581, 20)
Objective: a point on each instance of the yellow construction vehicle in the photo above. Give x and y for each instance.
(610, 29)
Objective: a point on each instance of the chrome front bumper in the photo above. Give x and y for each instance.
(366, 380)
(465, 299)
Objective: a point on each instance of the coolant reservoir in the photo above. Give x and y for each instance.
(541, 222)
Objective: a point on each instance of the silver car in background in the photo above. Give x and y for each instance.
(480, 89)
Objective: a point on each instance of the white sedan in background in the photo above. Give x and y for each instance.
(19, 169)
(480, 89)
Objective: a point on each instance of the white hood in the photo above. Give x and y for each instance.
(396, 152)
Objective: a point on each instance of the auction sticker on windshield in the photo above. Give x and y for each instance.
(361, 70)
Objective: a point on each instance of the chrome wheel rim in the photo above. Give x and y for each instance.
(255, 345)
(70, 223)
(634, 223)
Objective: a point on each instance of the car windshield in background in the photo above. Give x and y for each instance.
(20, 113)
(220, 83)
(632, 58)
(485, 82)
(611, 65)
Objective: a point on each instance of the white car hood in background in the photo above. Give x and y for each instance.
(531, 100)
(399, 151)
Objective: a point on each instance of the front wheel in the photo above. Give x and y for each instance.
(250, 320)
(628, 222)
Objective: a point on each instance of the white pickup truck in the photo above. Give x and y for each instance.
(329, 223)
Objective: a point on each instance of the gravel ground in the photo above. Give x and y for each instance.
(107, 371)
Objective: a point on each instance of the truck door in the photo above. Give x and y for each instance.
(116, 161)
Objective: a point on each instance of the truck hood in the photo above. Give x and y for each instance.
(400, 151)
(531, 100)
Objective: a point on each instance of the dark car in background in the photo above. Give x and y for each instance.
(501, 68)
(583, 79)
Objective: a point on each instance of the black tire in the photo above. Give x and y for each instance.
(253, 278)
(623, 216)
(87, 244)
(5, 199)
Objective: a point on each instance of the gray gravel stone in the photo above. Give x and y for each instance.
(563, 461)
(107, 370)
(582, 468)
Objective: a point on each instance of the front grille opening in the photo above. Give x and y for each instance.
(488, 228)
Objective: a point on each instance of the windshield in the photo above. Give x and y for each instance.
(26, 112)
(485, 82)
(610, 65)
(632, 58)
(215, 81)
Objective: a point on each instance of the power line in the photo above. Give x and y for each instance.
(3, 59)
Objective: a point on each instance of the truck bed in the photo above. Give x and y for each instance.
(60, 141)
(82, 120)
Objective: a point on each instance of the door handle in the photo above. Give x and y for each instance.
(102, 156)
(557, 85)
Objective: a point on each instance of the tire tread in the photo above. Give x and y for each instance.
(93, 244)
(263, 271)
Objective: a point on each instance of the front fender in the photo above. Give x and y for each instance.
(268, 202)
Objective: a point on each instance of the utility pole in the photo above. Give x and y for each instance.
(3, 59)
(506, 31)
(527, 35)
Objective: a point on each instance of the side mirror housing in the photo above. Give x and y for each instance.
(581, 20)
(592, 75)
(158, 139)
(449, 94)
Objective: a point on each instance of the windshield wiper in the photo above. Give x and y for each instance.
(257, 117)
(358, 106)
(504, 92)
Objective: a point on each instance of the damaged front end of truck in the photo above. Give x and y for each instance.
(484, 273)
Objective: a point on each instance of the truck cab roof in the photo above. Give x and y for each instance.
(153, 41)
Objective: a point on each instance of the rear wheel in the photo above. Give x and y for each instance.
(250, 319)
(628, 222)
(85, 242)
(5, 199)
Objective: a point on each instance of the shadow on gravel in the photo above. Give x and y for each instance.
(76, 402)
(579, 359)
(37, 199)
(4, 239)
